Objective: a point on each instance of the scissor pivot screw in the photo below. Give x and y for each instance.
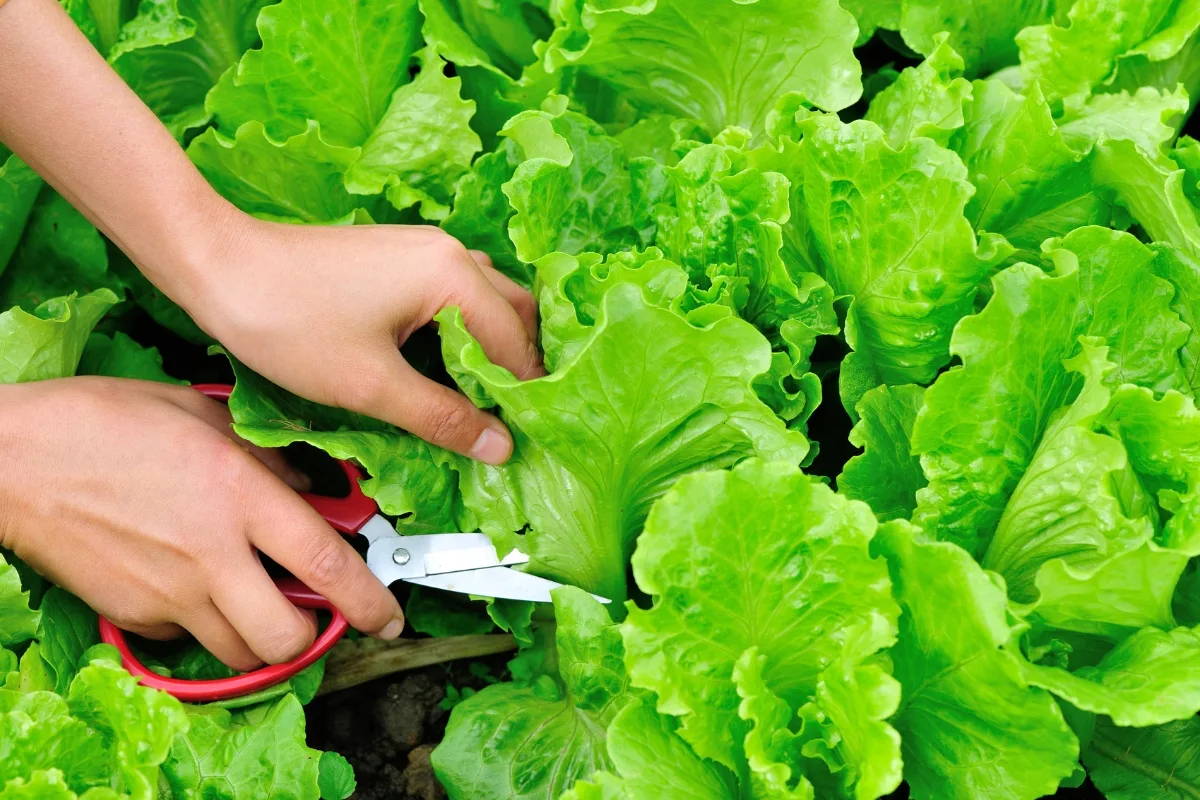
(401, 556)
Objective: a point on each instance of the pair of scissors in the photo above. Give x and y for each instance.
(456, 562)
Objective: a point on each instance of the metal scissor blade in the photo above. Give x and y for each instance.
(393, 558)
(457, 562)
(470, 558)
(499, 582)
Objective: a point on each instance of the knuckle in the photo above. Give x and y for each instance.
(453, 254)
(283, 642)
(93, 397)
(132, 619)
(227, 465)
(136, 617)
(523, 303)
(449, 423)
(328, 563)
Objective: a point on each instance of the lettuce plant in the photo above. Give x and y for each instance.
(871, 332)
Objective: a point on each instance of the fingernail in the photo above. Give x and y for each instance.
(492, 447)
(392, 630)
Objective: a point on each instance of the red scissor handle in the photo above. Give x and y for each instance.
(345, 514)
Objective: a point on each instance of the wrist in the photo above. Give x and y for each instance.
(190, 254)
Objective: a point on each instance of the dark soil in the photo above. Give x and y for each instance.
(387, 729)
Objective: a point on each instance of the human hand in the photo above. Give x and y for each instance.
(140, 499)
(319, 310)
(322, 311)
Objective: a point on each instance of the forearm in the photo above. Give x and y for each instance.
(70, 117)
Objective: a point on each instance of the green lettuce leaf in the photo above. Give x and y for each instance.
(342, 77)
(1080, 496)
(1148, 116)
(407, 477)
(335, 777)
(244, 755)
(1034, 171)
(19, 187)
(571, 294)
(173, 73)
(572, 188)
(119, 356)
(1148, 679)
(773, 751)
(1030, 183)
(18, 622)
(597, 441)
(1182, 270)
(421, 146)
(439, 613)
(68, 627)
(1016, 348)
(872, 15)
(493, 48)
(39, 734)
(171, 52)
(480, 215)
(1186, 154)
(507, 30)
(654, 763)
(49, 785)
(140, 723)
(891, 232)
(1112, 597)
(536, 738)
(722, 221)
(49, 342)
(1070, 460)
(1099, 37)
(969, 723)
(926, 100)
(60, 253)
(716, 53)
(1151, 188)
(337, 65)
(770, 527)
(887, 475)
(157, 23)
(982, 31)
(299, 180)
(1137, 763)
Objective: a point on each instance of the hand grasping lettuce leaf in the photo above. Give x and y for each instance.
(595, 445)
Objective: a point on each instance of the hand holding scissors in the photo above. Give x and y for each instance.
(457, 562)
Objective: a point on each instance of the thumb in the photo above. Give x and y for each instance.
(401, 395)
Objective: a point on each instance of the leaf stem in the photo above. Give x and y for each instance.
(1135, 763)
(352, 663)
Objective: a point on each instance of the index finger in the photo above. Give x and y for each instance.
(492, 320)
(290, 531)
